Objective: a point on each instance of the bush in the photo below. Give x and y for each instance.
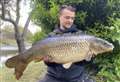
(98, 17)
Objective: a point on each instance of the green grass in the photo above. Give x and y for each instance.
(8, 42)
(33, 73)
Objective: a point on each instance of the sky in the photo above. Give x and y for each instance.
(24, 11)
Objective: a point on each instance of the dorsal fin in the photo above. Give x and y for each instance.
(69, 34)
(89, 55)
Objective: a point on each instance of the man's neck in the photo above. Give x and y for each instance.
(63, 28)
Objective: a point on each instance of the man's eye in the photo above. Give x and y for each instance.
(67, 17)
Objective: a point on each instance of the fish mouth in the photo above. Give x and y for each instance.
(110, 49)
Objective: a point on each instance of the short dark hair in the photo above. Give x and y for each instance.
(69, 7)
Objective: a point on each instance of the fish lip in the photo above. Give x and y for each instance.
(110, 49)
(112, 46)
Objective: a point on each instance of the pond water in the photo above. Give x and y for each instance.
(7, 52)
(3, 59)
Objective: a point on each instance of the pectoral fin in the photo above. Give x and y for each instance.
(67, 65)
(44, 58)
(89, 55)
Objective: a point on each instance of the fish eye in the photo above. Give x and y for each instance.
(104, 43)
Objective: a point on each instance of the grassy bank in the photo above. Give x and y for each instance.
(33, 73)
(7, 42)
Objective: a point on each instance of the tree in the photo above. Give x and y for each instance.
(10, 11)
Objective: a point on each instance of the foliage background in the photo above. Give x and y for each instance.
(98, 17)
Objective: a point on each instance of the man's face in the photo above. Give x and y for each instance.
(66, 18)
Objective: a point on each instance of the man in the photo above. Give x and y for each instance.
(56, 72)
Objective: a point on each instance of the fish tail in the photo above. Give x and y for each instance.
(19, 69)
(17, 63)
(11, 62)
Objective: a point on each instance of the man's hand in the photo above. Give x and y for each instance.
(47, 59)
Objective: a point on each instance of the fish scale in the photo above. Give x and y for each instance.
(68, 50)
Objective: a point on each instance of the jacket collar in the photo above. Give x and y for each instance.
(71, 29)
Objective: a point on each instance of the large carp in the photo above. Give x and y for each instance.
(64, 49)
